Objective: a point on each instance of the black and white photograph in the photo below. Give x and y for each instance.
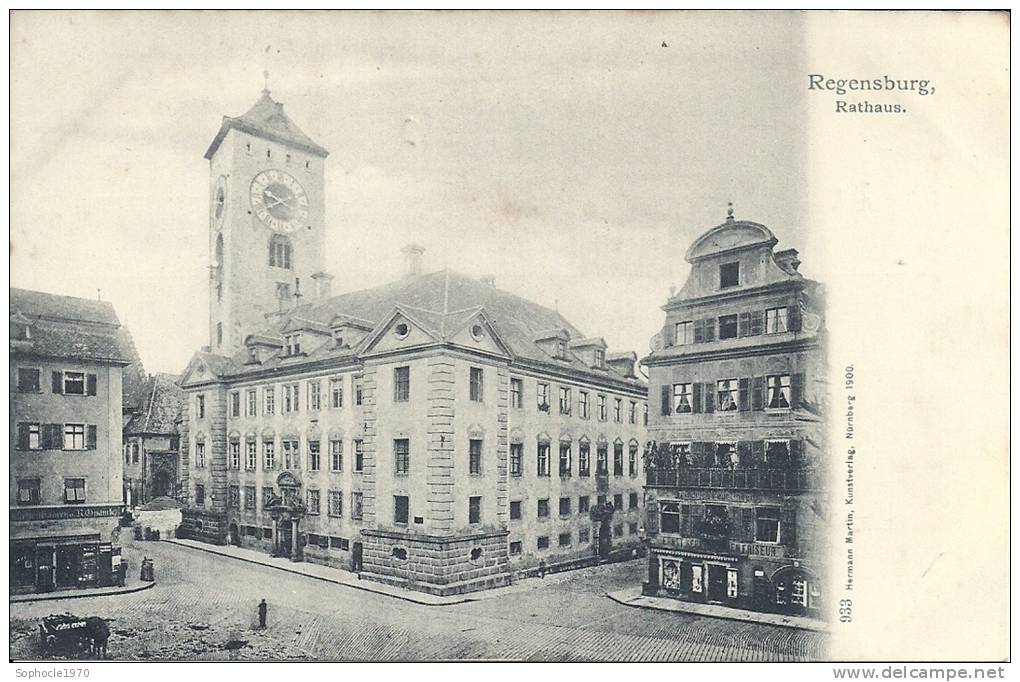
(502, 336)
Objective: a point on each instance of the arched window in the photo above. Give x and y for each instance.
(218, 255)
(279, 252)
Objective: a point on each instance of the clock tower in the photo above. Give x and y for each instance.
(266, 221)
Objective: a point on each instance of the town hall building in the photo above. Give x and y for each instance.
(436, 432)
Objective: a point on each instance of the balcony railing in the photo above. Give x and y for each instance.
(734, 479)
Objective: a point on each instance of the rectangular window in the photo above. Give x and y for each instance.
(401, 507)
(357, 505)
(632, 414)
(359, 455)
(476, 388)
(617, 530)
(775, 320)
(727, 394)
(644, 418)
(682, 398)
(401, 384)
(766, 524)
(267, 497)
(199, 494)
(74, 383)
(543, 542)
(516, 547)
(583, 408)
(729, 275)
(602, 460)
(313, 501)
(683, 333)
(293, 344)
(566, 463)
(516, 459)
(249, 497)
(336, 503)
(727, 327)
(235, 403)
(358, 390)
(29, 437)
(618, 502)
(564, 539)
(291, 398)
(632, 466)
(777, 453)
(291, 454)
(336, 393)
(28, 491)
(618, 410)
(28, 380)
(543, 508)
(269, 398)
(474, 456)
(235, 455)
(543, 396)
(314, 459)
(253, 403)
(234, 497)
(336, 455)
(474, 510)
(584, 458)
(564, 400)
(200, 406)
(583, 504)
(731, 583)
(199, 455)
(268, 454)
(74, 490)
(778, 391)
(584, 536)
(314, 395)
(602, 408)
(543, 459)
(633, 501)
(401, 456)
(515, 510)
(600, 358)
(251, 455)
(564, 506)
(669, 517)
(516, 393)
(74, 436)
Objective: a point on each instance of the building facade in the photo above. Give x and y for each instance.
(737, 455)
(436, 432)
(66, 359)
(151, 442)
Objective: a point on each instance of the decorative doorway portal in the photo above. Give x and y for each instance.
(287, 509)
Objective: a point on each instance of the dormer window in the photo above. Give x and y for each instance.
(729, 275)
(338, 337)
(561, 348)
(293, 342)
(600, 358)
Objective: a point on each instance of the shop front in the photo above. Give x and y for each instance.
(45, 564)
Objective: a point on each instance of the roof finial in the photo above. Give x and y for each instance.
(265, 70)
(729, 211)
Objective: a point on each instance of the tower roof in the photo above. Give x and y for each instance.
(266, 120)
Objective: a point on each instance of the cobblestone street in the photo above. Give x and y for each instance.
(204, 608)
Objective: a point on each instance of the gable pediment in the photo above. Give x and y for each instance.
(403, 328)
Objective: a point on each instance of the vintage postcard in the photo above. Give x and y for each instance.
(375, 336)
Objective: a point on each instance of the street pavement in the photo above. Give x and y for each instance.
(204, 608)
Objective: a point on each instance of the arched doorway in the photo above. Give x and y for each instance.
(797, 590)
(235, 535)
(163, 485)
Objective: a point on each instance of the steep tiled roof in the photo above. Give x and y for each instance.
(425, 298)
(70, 327)
(267, 120)
(162, 408)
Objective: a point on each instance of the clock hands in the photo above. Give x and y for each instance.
(277, 200)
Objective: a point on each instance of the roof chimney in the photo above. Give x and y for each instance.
(488, 280)
(323, 285)
(412, 259)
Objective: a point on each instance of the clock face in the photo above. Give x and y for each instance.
(219, 201)
(279, 201)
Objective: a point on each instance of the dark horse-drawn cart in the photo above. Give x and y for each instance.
(67, 634)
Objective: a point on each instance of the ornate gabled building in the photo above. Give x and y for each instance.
(735, 465)
(435, 432)
(151, 441)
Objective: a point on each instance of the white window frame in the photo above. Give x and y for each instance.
(777, 320)
(732, 392)
(71, 432)
(784, 389)
(683, 333)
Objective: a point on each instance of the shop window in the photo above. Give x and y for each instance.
(766, 524)
(731, 583)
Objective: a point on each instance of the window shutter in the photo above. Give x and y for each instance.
(758, 393)
(796, 453)
(710, 329)
(757, 452)
(744, 452)
(699, 331)
(747, 530)
(757, 322)
(709, 397)
(696, 407)
(744, 326)
(666, 409)
(793, 317)
(58, 382)
(90, 442)
(652, 519)
(22, 436)
(796, 390)
(744, 393)
(668, 334)
(90, 384)
(788, 531)
(697, 514)
(696, 450)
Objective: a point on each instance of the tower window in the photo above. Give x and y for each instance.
(219, 333)
(279, 252)
(247, 147)
(269, 153)
(308, 165)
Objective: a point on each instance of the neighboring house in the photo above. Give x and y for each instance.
(66, 360)
(735, 482)
(151, 442)
(435, 432)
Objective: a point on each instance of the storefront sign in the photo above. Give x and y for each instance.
(755, 549)
(69, 512)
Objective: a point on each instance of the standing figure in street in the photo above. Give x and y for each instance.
(263, 609)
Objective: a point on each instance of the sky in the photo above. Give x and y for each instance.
(574, 156)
